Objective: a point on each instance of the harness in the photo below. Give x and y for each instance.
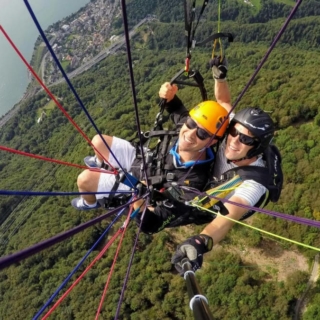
(158, 169)
(115, 200)
(271, 177)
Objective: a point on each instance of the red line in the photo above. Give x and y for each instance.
(83, 273)
(51, 95)
(35, 156)
(113, 264)
(26, 154)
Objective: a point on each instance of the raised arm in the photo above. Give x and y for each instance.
(222, 94)
(168, 91)
(221, 87)
(174, 106)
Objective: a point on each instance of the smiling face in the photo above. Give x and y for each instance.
(236, 150)
(189, 141)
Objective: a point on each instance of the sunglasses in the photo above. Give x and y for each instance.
(248, 141)
(201, 133)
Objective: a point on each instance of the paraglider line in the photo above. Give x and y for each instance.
(125, 225)
(98, 257)
(8, 260)
(47, 193)
(260, 230)
(305, 221)
(78, 265)
(26, 154)
(45, 39)
(134, 96)
(283, 28)
(50, 94)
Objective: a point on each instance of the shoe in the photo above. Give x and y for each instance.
(79, 204)
(91, 162)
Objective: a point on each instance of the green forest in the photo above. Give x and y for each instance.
(236, 288)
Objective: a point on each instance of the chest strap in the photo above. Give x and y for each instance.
(221, 191)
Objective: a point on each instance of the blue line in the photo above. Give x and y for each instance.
(45, 39)
(47, 193)
(77, 266)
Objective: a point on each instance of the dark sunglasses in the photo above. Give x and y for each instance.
(201, 133)
(248, 141)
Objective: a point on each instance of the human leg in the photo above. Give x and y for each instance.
(121, 150)
(91, 181)
(99, 144)
(88, 182)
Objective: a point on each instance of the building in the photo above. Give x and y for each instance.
(65, 27)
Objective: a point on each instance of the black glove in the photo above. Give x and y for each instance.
(193, 249)
(219, 68)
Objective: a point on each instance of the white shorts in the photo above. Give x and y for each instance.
(125, 154)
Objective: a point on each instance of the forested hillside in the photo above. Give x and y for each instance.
(287, 86)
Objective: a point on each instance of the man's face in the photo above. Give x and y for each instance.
(189, 140)
(235, 149)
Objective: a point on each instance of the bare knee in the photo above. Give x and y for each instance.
(88, 180)
(98, 142)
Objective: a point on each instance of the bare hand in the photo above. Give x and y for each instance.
(168, 91)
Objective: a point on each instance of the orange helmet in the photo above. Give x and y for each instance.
(211, 115)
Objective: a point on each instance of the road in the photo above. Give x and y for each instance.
(100, 56)
(103, 54)
(301, 303)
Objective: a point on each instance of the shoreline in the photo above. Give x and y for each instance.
(81, 69)
(14, 107)
(6, 117)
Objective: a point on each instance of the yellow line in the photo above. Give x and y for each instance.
(257, 229)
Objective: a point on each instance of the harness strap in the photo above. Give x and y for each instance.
(220, 191)
(195, 74)
(216, 36)
(189, 17)
(163, 151)
(258, 174)
(116, 199)
(108, 201)
(158, 133)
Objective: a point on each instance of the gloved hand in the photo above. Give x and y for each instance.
(193, 249)
(219, 68)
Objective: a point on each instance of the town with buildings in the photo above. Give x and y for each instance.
(76, 41)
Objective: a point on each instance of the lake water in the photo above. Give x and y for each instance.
(17, 22)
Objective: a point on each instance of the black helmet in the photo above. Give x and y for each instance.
(260, 124)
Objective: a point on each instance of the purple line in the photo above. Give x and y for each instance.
(293, 11)
(8, 260)
(47, 193)
(305, 221)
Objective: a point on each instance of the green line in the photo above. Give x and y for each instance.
(219, 9)
(257, 229)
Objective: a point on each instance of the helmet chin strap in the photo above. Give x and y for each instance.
(237, 160)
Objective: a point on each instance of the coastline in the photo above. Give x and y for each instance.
(112, 49)
(13, 15)
(5, 118)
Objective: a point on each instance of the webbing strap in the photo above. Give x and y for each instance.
(215, 36)
(196, 75)
(158, 133)
(108, 201)
(220, 191)
(189, 16)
